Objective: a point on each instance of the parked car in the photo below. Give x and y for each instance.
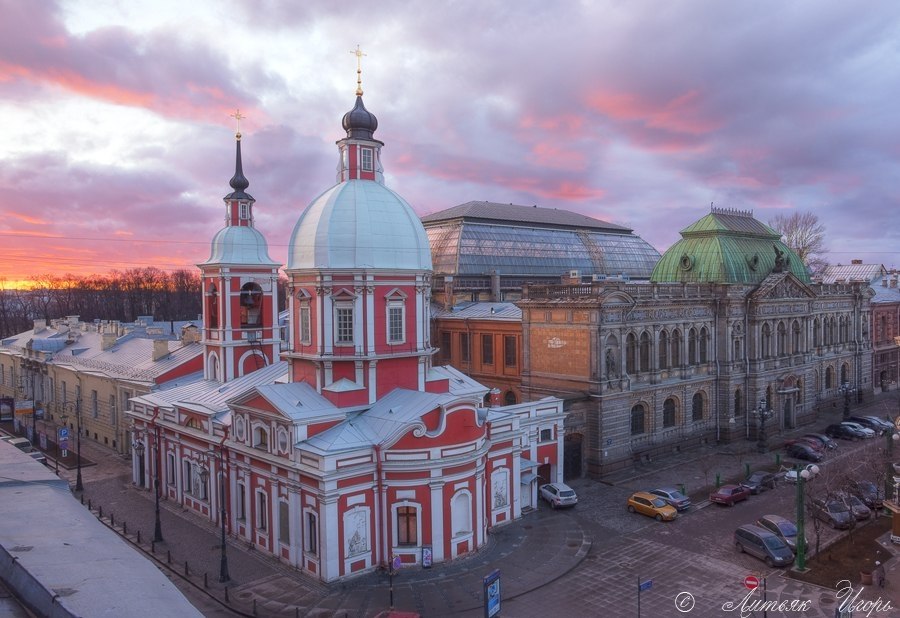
(874, 424)
(763, 544)
(869, 493)
(559, 494)
(857, 507)
(729, 494)
(673, 497)
(651, 505)
(23, 444)
(815, 444)
(844, 432)
(833, 512)
(803, 451)
(781, 527)
(758, 481)
(866, 432)
(791, 475)
(822, 439)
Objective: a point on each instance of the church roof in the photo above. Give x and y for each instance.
(727, 246)
(237, 244)
(359, 224)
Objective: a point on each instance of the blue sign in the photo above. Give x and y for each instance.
(644, 586)
(63, 439)
(492, 594)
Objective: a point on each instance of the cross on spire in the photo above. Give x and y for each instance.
(238, 117)
(359, 54)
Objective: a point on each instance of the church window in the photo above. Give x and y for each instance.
(241, 502)
(312, 533)
(366, 156)
(245, 210)
(262, 511)
(510, 398)
(213, 314)
(260, 438)
(396, 322)
(697, 407)
(461, 513)
(344, 323)
(669, 413)
(284, 523)
(305, 330)
(637, 420)
(407, 525)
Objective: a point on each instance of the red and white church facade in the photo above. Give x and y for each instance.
(348, 448)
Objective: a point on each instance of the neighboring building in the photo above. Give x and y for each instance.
(484, 251)
(484, 341)
(854, 271)
(353, 449)
(729, 325)
(71, 368)
(886, 332)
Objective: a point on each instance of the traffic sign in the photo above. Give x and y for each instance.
(751, 582)
(646, 585)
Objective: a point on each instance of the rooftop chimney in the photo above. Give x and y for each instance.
(107, 340)
(40, 326)
(856, 262)
(160, 349)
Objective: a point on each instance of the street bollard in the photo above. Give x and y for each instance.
(124, 528)
(100, 512)
(169, 556)
(82, 499)
(226, 594)
(139, 537)
(254, 607)
(112, 520)
(718, 480)
(747, 469)
(681, 488)
(152, 547)
(205, 581)
(777, 459)
(187, 571)
(89, 502)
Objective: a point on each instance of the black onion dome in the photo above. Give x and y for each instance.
(238, 182)
(359, 122)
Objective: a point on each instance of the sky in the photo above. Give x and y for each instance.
(118, 144)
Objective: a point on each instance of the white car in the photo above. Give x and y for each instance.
(558, 494)
(868, 432)
(791, 475)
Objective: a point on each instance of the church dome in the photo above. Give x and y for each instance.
(359, 122)
(359, 224)
(239, 245)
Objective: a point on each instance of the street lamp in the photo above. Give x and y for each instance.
(802, 477)
(762, 414)
(891, 437)
(139, 447)
(79, 485)
(846, 390)
(64, 418)
(204, 472)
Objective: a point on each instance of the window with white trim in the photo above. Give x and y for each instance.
(187, 477)
(407, 525)
(284, 523)
(305, 330)
(241, 502)
(343, 319)
(95, 408)
(461, 513)
(366, 156)
(245, 210)
(170, 468)
(396, 322)
(311, 542)
(260, 438)
(546, 435)
(262, 511)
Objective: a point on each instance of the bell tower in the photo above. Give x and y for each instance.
(240, 291)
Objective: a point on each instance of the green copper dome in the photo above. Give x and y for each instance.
(727, 246)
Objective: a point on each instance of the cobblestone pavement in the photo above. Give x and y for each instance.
(586, 561)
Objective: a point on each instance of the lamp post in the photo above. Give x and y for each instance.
(891, 436)
(64, 418)
(846, 390)
(79, 485)
(763, 414)
(223, 563)
(802, 477)
(140, 448)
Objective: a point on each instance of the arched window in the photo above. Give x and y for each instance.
(461, 513)
(738, 403)
(251, 305)
(509, 398)
(213, 312)
(697, 407)
(817, 335)
(260, 438)
(704, 344)
(663, 350)
(737, 349)
(692, 347)
(645, 351)
(638, 415)
(407, 525)
(829, 378)
(795, 338)
(766, 341)
(782, 339)
(669, 412)
(845, 371)
(676, 348)
(630, 354)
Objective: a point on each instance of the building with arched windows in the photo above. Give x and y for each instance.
(729, 332)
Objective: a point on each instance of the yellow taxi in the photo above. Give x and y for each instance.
(645, 503)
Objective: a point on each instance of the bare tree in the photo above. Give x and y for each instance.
(805, 235)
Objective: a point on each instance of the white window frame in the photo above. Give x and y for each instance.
(344, 316)
(396, 322)
(456, 498)
(284, 522)
(395, 513)
(310, 541)
(241, 502)
(170, 469)
(244, 211)
(95, 405)
(305, 322)
(367, 159)
(262, 510)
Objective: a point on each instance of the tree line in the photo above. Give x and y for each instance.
(119, 295)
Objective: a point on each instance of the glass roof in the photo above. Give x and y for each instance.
(475, 249)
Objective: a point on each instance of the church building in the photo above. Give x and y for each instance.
(350, 449)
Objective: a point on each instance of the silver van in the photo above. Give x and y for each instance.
(23, 444)
(761, 543)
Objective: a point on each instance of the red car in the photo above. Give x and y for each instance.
(729, 494)
(811, 442)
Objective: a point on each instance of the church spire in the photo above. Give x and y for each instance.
(238, 182)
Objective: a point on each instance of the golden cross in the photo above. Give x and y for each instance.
(237, 116)
(359, 54)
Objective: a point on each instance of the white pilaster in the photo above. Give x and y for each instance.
(437, 520)
(330, 546)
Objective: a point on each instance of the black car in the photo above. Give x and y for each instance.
(802, 451)
(869, 493)
(758, 481)
(873, 424)
(824, 440)
(834, 512)
(843, 432)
